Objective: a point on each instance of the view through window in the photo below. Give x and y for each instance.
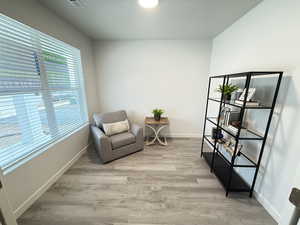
(41, 91)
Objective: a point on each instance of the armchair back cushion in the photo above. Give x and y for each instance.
(110, 117)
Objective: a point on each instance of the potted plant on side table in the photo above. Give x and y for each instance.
(157, 113)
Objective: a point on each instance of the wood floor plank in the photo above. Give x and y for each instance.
(168, 185)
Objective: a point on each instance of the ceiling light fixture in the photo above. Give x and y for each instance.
(149, 4)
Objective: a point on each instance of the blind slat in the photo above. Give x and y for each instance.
(41, 97)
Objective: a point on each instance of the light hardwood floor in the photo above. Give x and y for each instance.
(160, 185)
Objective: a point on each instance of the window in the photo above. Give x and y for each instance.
(41, 91)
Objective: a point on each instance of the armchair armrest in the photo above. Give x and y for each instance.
(138, 132)
(102, 144)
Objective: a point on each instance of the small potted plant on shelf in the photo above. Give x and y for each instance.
(157, 113)
(227, 90)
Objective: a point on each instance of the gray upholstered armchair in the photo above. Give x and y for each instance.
(118, 145)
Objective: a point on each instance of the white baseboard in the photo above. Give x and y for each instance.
(268, 206)
(184, 135)
(29, 201)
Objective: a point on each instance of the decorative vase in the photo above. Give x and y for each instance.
(157, 117)
(216, 133)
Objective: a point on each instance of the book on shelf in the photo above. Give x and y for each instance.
(233, 129)
(252, 103)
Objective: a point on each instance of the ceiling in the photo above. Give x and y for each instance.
(173, 19)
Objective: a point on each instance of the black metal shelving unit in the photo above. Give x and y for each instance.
(223, 166)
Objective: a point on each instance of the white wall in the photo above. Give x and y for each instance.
(29, 180)
(139, 76)
(267, 38)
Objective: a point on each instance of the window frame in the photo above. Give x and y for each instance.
(46, 93)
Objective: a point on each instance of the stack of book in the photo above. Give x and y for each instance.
(250, 103)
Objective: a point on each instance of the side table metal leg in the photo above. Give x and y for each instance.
(158, 138)
(155, 136)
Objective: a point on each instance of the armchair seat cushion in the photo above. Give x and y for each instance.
(122, 139)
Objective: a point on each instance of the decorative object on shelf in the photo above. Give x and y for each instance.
(229, 146)
(251, 93)
(250, 103)
(236, 123)
(233, 117)
(223, 165)
(216, 133)
(157, 113)
(236, 95)
(223, 115)
(227, 90)
(228, 116)
(221, 141)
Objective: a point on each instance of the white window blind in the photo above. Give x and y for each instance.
(41, 91)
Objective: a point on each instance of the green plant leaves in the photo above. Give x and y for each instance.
(158, 111)
(227, 89)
